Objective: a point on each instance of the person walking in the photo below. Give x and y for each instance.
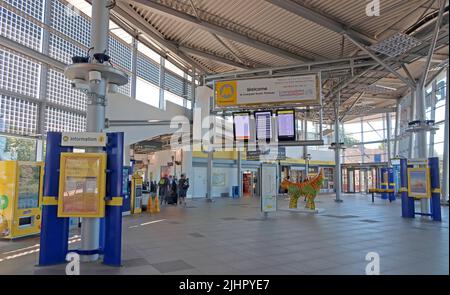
(183, 186)
(173, 191)
(163, 186)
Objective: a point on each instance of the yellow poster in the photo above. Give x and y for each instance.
(82, 185)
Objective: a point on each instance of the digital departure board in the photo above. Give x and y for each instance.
(263, 125)
(286, 125)
(241, 126)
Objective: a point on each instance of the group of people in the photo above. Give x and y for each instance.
(171, 190)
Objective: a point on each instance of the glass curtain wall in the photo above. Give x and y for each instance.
(36, 98)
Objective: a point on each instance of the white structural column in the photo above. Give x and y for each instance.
(209, 169)
(239, 171)
(388, 138)
(412, 112)
(90, 229)
(305, 147)
(396, 128)
(432, 117)
(126, 155)
(337, 151)
(446, 144)
(422, 148)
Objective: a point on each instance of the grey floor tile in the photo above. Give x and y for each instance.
(171, 266)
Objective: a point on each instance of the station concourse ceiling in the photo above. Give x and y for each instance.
(219, 37)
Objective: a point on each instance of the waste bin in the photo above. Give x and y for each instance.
(235, 193)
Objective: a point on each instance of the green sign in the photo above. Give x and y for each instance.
(3, 202)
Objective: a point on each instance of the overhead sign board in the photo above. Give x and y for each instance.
(83, 139)
(303, 89)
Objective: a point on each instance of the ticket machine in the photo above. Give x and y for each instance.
(136, 193)
(20, 198)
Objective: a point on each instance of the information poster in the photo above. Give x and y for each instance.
(418, 183)
(29, 180)
(286, 124)
(263, 125)
(241, 123)
(269, 188)
(82, 185)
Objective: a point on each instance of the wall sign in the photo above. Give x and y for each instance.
(83, 139)
(303, 89)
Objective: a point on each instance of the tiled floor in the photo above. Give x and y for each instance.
(231, 237)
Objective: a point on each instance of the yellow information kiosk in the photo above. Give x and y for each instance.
(20, 198)
(136, 194)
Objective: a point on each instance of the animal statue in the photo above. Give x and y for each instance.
(308, 188)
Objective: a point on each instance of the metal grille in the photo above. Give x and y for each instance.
(174, 83)
(18, 74)
(60, 91)
(120, 53)
(69, 22)
(147, 69)
(18, 29)
(31, 7)
(20, 117)
(59, 120)
(62, 50)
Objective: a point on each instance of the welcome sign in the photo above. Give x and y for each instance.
(303, 89)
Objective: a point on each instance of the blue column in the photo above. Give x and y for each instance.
(112, 248)
(391, 184)
(407, 203)
(54, 230)
(433, 164)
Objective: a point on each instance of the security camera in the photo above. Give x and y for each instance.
(79, 84)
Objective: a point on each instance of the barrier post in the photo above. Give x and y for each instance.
(112, 251)
(407, 202)
(391, 184)
(384, 185)
(54, 238)
(433, 164)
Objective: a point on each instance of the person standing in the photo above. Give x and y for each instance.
(183, 186)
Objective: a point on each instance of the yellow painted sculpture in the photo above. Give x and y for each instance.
(308, 189)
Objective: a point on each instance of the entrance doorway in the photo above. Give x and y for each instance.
(250, 185)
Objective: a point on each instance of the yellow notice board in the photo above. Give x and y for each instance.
(82, 182)
(419, 183)
(302, 89)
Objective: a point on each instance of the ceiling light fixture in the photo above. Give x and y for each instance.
(396, 45)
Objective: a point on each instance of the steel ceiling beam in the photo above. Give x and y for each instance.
(318, 18)
(176, 48)
(423, 79)
(140, 24)
(221, 31)
(213, 57)
(407, 81)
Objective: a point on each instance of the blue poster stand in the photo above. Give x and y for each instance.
(408, 205)
(55, 230)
